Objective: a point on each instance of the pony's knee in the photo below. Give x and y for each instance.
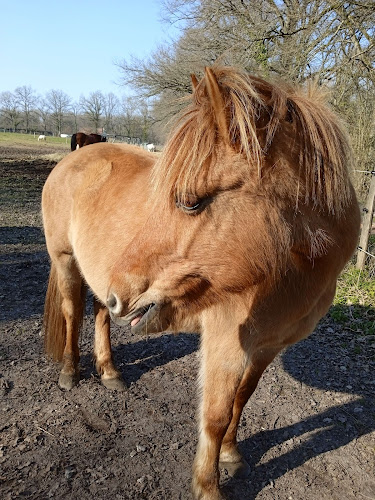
(216, 423)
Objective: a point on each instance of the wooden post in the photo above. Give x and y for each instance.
(366, 224)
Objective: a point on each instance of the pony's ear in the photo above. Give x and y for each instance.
(194, 81)
(217, 103)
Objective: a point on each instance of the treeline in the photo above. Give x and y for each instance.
(57, 113)
(328, 41)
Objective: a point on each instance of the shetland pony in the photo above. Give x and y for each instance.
(81, 139)
(42, 138)
(239, 231)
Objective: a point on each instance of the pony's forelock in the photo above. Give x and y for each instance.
(256, 110)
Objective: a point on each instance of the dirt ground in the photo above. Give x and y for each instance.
(308, 432)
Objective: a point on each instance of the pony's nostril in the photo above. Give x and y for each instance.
(112, 302)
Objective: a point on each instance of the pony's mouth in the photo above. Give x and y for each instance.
(142, 320)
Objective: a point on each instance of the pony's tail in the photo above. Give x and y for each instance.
(54, 320)
(73, 142)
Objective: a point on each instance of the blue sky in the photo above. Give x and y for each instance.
(72, 46)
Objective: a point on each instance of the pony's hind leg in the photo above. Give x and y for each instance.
(73, 292)
(110, 376)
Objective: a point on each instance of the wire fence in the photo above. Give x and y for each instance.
(372, 172)
(360, 249)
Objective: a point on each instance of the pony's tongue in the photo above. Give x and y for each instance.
(136, 320)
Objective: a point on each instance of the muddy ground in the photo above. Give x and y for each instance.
(308, 432)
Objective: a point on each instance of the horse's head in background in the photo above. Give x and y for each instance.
(81, 139)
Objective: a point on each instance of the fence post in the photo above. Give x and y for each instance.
(366, 224)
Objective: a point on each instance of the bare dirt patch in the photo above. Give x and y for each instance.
(308, 431)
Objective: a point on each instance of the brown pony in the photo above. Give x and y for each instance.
(81, 139)
(239, 231)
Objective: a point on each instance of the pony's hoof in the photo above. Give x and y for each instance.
(67, 381)
(114, 384)
(237, 470)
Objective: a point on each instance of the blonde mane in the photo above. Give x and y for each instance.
(256, 111)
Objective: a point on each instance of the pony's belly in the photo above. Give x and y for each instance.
(95, 258)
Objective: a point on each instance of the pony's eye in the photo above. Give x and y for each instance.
(189, 202)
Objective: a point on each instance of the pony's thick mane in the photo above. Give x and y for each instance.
(256, 111)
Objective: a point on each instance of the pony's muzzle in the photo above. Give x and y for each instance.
(114, 304)
(144, 319)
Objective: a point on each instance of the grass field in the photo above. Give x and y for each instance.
(353, 306)
(10, 139)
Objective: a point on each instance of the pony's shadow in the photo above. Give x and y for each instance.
(134, 359)
(327, 431)
(338, 370)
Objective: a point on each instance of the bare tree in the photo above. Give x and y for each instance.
(93, 107)
(59, 105)
(146, 120)
(75, 109)
(128, 115)
(330, 41)
(43, 111)
(163, 71)
(296, 39)
(10, 110)
(27, 99)
(110, 107)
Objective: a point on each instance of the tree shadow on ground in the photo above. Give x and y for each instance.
(319, 434)
(25, 235)
(23, 275)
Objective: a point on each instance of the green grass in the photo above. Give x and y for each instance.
(355, 287)
(10, 139)
(354, 303)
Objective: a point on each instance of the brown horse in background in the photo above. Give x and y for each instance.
(239, 231)
(81, 139)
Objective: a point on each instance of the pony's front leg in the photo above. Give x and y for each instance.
(110, 376)
(223, 361)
